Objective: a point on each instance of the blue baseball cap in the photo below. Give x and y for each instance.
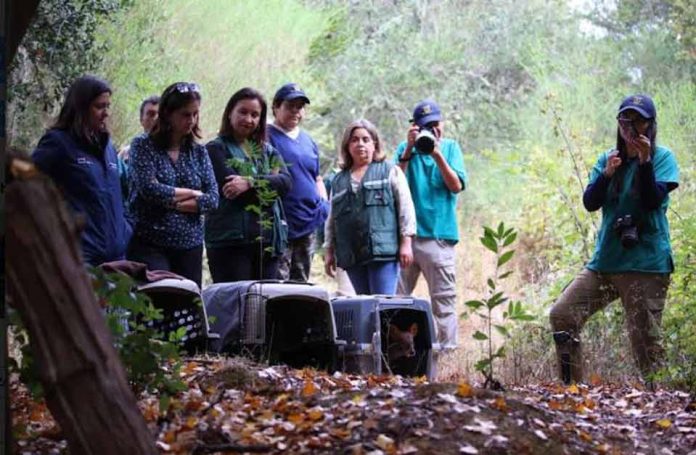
(290, 91)
(639, 103)
(425, 112)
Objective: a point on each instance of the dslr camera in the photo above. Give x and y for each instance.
(425, 140)
(627, 231)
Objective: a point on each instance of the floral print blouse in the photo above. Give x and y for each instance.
(154, 176)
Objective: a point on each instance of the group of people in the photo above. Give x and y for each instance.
(254, 197)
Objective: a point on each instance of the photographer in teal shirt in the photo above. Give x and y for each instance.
(434, 168)
(633, 257)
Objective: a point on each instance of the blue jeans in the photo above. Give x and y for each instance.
(375, 278)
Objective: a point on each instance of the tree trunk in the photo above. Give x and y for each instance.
(84, 382)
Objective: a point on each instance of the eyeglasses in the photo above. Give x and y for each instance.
(187, 87)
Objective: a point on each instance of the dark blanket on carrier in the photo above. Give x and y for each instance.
(224, 305)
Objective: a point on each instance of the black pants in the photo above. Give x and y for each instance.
(239, 263)
(187, 263)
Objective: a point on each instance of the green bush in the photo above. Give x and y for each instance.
(151, 363)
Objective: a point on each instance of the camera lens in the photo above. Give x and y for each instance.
(425, 141)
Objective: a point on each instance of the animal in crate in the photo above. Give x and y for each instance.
(384, 334)
(401, 343)
(404, 352)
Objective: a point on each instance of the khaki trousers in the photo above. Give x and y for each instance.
(436, 260)
(643, 298)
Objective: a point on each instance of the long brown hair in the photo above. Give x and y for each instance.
(175, 97)
(346, 161)
(74, 114)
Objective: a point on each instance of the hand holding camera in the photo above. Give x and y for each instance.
(427, 138)
(411, 136)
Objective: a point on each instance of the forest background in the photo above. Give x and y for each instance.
(529, 88)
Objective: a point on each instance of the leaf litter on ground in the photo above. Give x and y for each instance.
(233, 405)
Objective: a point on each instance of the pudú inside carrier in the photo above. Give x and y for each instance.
(182, 307)
(274, 321)
(386, 334)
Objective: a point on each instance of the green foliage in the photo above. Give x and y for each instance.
(259, 165)
(680, 314)
(497, 241)
(221, 46)
(59, 46)
(529, 89)
(152, 364)
(406, 51)
(673, 20)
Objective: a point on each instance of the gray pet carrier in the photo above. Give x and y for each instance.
(364, 323)
(274, 321)
(181, 305)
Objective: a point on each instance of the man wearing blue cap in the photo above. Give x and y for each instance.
(633, 257)
(434, 168)
(306, 206)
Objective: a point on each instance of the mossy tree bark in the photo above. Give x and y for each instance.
(84, 381)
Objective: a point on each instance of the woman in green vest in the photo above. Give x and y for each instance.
(246, 235)
(371, 219)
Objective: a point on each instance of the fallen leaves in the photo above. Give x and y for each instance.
(663, 423)
(481, 426)
(277, 409)
(465, 390)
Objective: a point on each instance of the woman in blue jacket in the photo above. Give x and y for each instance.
(77, 153)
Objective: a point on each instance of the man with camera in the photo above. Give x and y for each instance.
(434, 168)
(633, 258)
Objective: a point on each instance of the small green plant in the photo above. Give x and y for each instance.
(499, 242)
(257, 165)
(152, 364)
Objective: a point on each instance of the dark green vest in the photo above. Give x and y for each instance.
(365, 223)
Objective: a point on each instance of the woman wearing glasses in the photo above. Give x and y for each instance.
(633, 258)
(247, 234)
(173, 184)
(77, 153)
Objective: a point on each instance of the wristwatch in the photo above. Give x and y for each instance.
(404, 160)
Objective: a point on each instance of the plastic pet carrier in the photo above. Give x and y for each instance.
(274, 321)
(386, 335)
(181, 305)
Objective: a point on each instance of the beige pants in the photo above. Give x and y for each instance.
(435, 258)
(643, 298)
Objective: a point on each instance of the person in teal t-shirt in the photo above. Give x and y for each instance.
(633, 257)
(434, 168)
